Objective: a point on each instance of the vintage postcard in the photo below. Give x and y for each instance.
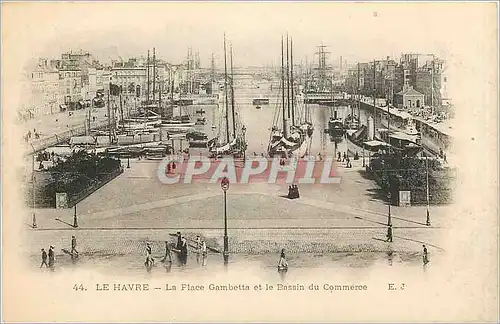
(249, 162)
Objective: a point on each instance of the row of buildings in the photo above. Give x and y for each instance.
(417, 80)
(76, 80)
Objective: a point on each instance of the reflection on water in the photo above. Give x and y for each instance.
(264, 265)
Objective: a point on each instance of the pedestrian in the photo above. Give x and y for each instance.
(282, 264)
(198, 243)
(338, 157)
(179, 241)
(184, 251)
(52, 257)
(203, 248)
(44, 259)
(168, 256)
(74, 252)
(425, 255)
(444, 158)
(389, 234)
(344, 157)
(184, 246)
(149, 259)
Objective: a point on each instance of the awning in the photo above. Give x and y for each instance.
(376, 143)
(403, 136)
(82, 140)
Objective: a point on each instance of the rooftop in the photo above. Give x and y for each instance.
(410, 91)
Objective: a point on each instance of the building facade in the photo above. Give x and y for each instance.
(385, 78)
(41, 95)
(409, 98)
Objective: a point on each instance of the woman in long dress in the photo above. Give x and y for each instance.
(282, 264)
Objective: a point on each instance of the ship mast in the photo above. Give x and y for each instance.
(147, 90)
(154, 74)
(374, 99)
(225, 91)
(285, 133)
(291, 78)
(357, 95)
(232, 91)
(287, 78)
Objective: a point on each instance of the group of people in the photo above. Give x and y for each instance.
(28, 135)
(293, 192)
(181, 248)
(51, 256)
(345, 158)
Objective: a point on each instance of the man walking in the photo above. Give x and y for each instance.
(425, 256)
(168, 256)
(389, 234)
(179, 241)
(52, 258)
(44, 259)
(74, 252)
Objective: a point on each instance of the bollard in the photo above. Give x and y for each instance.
(34, 225)
(75, 220)
(428, 219)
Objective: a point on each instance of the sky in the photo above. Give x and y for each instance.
(355, 31)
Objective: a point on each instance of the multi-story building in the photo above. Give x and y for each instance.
(130, 76)
(385, 78)
(134, 74)
(423, 73)
(42, 91)
(70, 86)
(88, 66)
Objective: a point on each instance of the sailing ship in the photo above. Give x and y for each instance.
(236, 144)
(285, 141)
(335, 124)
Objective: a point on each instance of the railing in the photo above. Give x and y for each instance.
(76, 198)
(41, 144)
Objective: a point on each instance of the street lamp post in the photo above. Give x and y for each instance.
(389, 220)
(363, 156)
(75, 220)
(34, 225)
(244, 130)
(225, 186)
(128, 157)
(428, 218)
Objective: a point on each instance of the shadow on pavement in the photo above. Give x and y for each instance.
(366, 220)
(407, 239)
(60, 220)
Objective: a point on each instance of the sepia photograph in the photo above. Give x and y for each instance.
(255, 161)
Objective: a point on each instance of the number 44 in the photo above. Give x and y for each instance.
(78, 287)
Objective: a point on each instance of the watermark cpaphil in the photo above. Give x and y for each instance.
(200, 169)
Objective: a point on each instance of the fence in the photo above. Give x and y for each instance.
(41, 144)
(76, 198)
